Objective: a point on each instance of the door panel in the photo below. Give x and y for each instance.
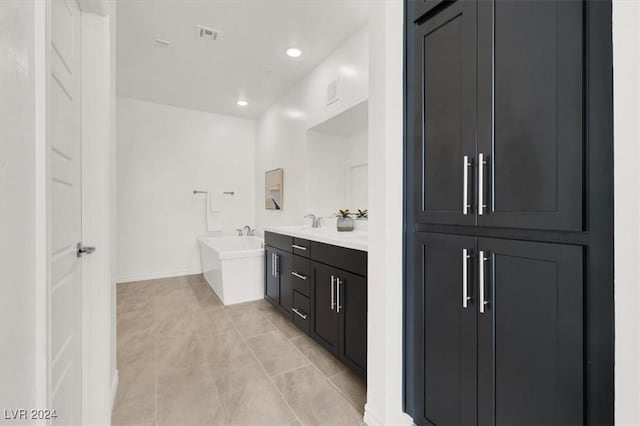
(352, 307)
(325, 326)
(272, 285)
(286, 285)
(64, 139)
(530, 113)
(445, 131)
(530, 338)
(446, 333)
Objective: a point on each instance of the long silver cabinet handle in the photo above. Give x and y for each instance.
(481, 201)
(297, 275)
(297, 247)
(338, 282)
(333, 282)
(465, 278)
(466, 206)
(273, 264)
(277, 265)
(300, 314)
(481, 272)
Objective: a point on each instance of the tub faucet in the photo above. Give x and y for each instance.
(315, 220)
(249, 232)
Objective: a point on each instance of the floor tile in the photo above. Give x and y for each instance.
(327, 363)
(132, 326)
(210, 322)
(226, 352)
(353, 387)
(186, 359)
(189, 399)
(136, 397)
(134, 296)
(251, 323)
(314, 400)
(254, 401)
(276, 353)
(180, 353)
(285, 325)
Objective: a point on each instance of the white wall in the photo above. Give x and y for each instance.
(17, 205)
(384, 351)
(97, 213)
(626, 56)
(114, 224)
(281, 132)
(164, 153)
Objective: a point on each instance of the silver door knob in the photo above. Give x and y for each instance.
(82, 250)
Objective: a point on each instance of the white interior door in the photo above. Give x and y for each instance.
(65, 192)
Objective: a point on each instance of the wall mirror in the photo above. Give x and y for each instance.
(336, 162)
(273, 189)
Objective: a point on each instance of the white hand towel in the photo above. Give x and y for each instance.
(214, 215)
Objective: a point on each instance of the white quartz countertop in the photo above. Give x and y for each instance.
(357, 240)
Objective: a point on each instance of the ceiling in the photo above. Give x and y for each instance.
(248, 59)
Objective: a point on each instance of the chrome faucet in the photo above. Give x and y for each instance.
(250, 232)
(315, 220)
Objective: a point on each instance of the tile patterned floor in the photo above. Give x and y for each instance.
(186, 359)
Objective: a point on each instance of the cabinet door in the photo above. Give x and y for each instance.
(530, 113)
(530, 336)
(272, 285)
(284, 261)
(325, 327)
(351, 305)
(416, 9)
(445, 333)
(445, 123)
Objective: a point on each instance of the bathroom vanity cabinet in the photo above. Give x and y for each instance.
(323, 289)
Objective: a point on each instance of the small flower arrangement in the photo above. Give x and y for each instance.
(345, 221)
(362, 214)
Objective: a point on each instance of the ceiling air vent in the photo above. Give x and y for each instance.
(207, 33)
(332, 92)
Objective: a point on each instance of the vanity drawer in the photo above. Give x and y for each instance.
(301, 312)
(282, 242)
(300, 270)
(301, 247)
(343, 258)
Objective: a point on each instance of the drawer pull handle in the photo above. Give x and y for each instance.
(300, 314)
(465, 278)
(295, 246)
(466, 205)
(333, 294)
(338, 282)
(297, 275)
(481, 274)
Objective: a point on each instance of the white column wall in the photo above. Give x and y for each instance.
(384, 355)
(626, 82)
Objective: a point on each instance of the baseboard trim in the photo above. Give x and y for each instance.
(373, 419)
(370, 418)
(114, 387)
(158, 275)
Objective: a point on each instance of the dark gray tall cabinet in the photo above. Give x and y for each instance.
(508, 212)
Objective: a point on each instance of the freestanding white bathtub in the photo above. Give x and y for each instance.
(233, 267)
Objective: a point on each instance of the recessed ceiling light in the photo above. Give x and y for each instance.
(242, 103)
(294, 52)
